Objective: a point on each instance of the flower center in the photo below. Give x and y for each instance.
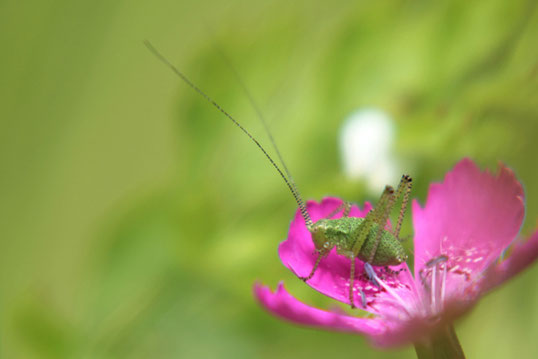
(433, 278)
(401, 300)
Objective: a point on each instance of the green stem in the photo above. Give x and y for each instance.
(443, 344)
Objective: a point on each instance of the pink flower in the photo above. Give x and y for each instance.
(461, 234)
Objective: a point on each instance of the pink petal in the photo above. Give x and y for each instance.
(381, 332)
(332, 276)
(522, 255)
(282, 304)
(471, 217)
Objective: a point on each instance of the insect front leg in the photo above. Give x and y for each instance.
(346, 206)
(318, 260)
(347, 209)
(351, 286)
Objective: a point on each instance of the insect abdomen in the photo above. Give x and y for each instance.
(388, 252)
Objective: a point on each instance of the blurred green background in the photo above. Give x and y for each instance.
(135, 218)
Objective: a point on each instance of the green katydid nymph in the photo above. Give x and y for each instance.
(364, 238)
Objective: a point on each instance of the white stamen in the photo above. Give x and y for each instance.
(433, 288)
(443, 285)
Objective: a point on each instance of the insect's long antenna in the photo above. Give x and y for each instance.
(298, 199)
(259, 113)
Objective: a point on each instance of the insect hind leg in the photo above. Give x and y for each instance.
(351, 282)
(382, 212)
(404, 188)
(360, 236)
(363, 231)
